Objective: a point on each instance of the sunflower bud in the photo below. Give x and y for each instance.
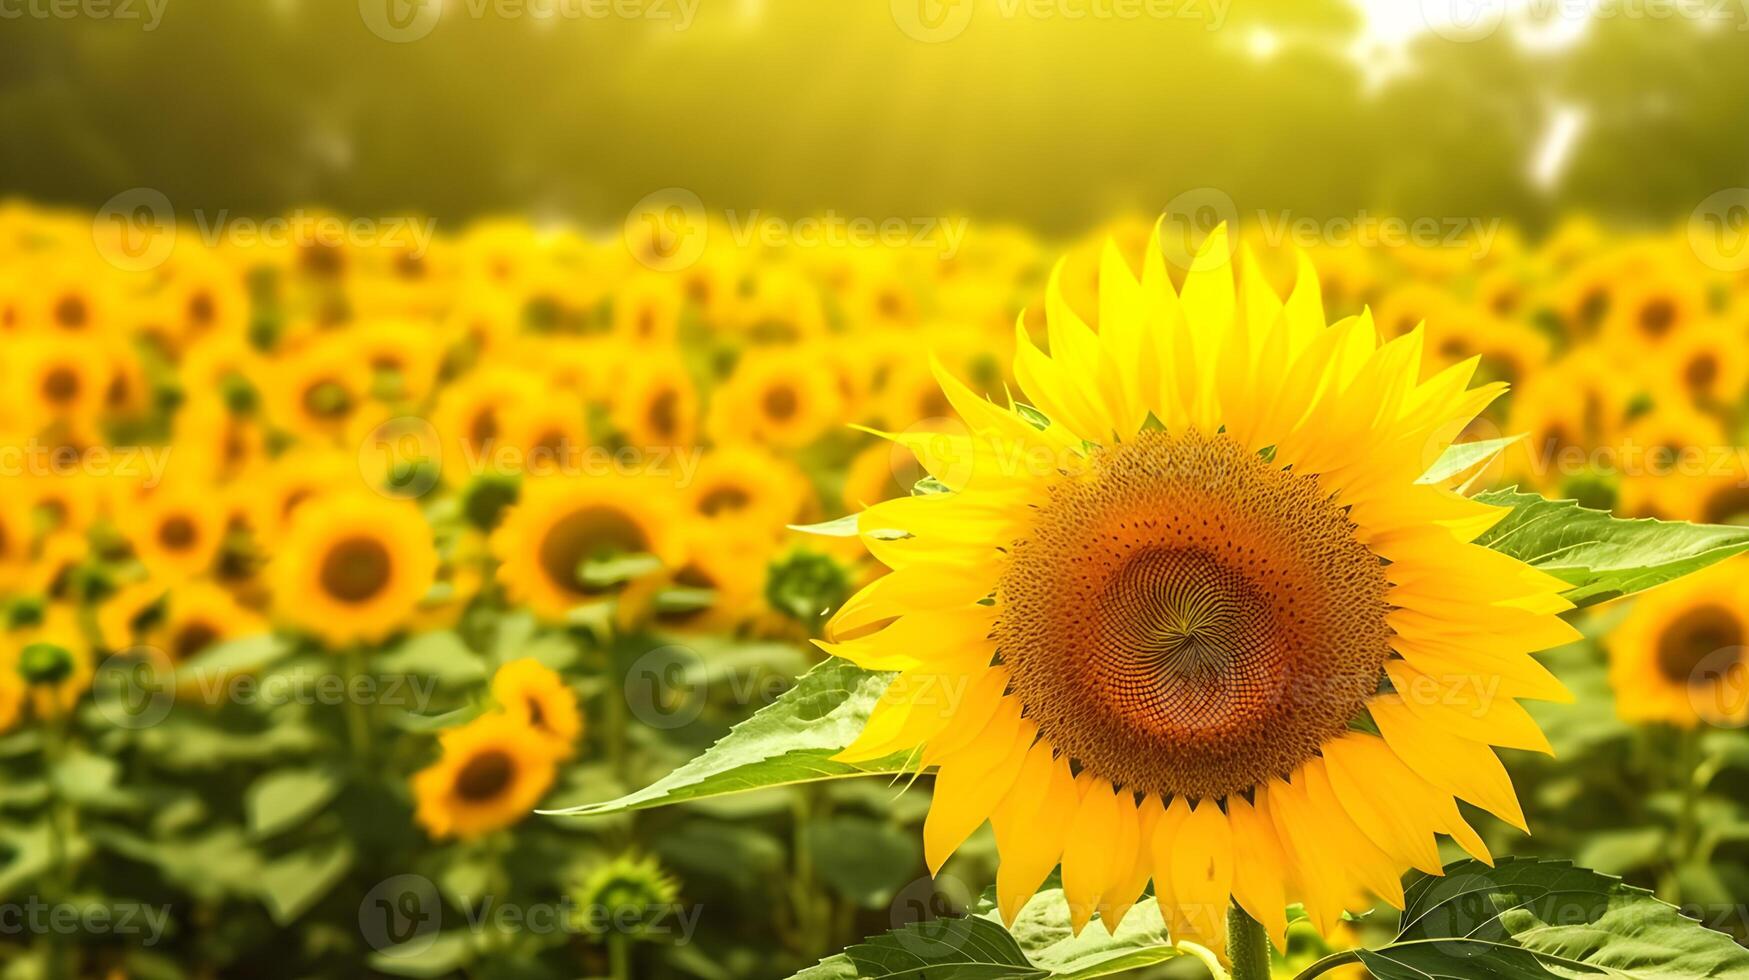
(805, 584)
(45, 663)
(625, 895)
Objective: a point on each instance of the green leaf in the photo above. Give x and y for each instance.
(441, 656)
(972, 948)
(1600, 555)
(1528, 919)
(283, 799)
(249, 654)
(1043, 931)
(605, 573)
(863, 859)
(1460, 458)
(425, 956)
(792, 740)
(407, 721)
(293, 883)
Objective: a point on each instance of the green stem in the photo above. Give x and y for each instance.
(1329, 963)
(1687, 827)
(62, 822)
(1247, 946)
(619, 955)
(358, 727)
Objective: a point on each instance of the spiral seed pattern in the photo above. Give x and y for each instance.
(1187, 618)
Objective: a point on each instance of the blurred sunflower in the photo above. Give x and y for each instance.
(778, 397)
(492, 773)
(558, 527)
(290, 480)
(534, 695)
(1661, 452)
(200, 615)
(748, 486)
(1679, 655)
(646, 311)
(314, 392)
(1098, 651)
(656, 403)
(54, 378)
(1649, 310)
(176, 529)
(402, 358)
(471, 413)
(1709, 363)
(353, 567)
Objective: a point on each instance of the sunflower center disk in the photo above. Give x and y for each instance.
(1187, 618)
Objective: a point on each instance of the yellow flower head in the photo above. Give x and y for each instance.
(493, 772)
(535, 695)
(1151, 629)
(1679, 655)
(558, 526)
(353, 567)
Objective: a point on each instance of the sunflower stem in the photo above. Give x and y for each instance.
(358, 727)
(1329, 963)
(1247, 945)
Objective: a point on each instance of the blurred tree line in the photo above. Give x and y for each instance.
(796, 106)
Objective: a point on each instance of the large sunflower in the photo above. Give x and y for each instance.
(1189, 616)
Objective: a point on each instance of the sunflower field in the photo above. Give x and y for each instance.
(746, 491)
